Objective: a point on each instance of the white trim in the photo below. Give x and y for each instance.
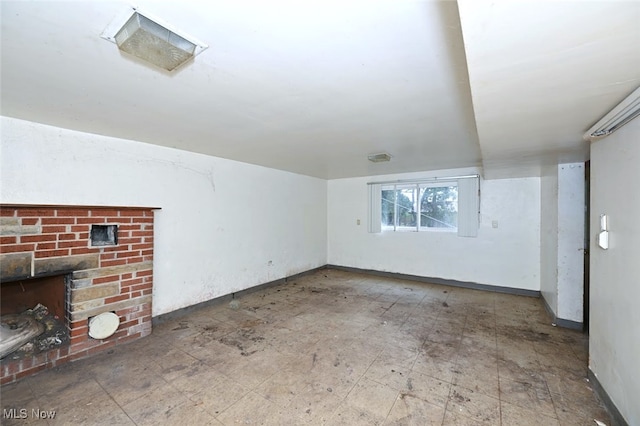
(375, 209)
(422, 180)
(468, 207)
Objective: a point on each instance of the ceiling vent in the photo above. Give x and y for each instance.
(150, 40)
(626, 111)
(380, 157)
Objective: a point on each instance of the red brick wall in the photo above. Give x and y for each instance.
(46, 240)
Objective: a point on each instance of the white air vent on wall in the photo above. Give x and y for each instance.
(380, 157)
(147, 38)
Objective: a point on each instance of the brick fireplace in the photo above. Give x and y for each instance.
(80, 262)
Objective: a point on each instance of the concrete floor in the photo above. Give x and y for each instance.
(333, 348)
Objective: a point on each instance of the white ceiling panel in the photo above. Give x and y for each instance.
(314, 87)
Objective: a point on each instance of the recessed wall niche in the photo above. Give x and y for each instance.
(104, 235)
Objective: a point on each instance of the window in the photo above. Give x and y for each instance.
(420, 207)
(434, 204)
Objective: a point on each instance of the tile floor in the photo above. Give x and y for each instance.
(333, 348)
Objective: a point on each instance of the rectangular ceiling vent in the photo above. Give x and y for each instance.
(150, 40)
(380, 157)
(626, 111)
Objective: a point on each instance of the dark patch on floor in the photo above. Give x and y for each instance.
(460, 398)
(182, 325)
(517, 333)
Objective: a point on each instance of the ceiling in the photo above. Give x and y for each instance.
(313, 87)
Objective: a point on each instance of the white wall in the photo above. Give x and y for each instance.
(220, 222)
(571, 218)
(549, 236)
(562, 216)
(506, 256)
(614, 326)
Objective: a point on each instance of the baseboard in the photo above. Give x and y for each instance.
(560, 322)
(442, 281)
(616, 416)
(227, 298)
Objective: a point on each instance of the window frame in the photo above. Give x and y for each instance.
(417, 188)
(469, 203)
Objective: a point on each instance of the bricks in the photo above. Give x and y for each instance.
(118, 298)
(14, 248)
(141, 246)
(126, 324)
(116, 262)
(58, 221)
(80, 331)
(68, 244)
(105, 212)
(35, 212)
(51, 253)
(37, 238)
(137, 240)
(141, 286)
(130, 282)
(84, 250)
(96, 291)
(90, 220)
(45, 246)
(72, 212)
(66, 237)
(54, 241)
(54, 229)
(128, 254)
(143, 220)
(115, 248)
(132, 213)
(141, 233)
(106, 279)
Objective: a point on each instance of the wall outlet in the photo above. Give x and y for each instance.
(494, 223)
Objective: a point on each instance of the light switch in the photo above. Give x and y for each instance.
(358, 222)
(603, 240)
(604, 222)
(494, 223)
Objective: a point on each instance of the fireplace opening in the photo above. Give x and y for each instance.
(33, 316)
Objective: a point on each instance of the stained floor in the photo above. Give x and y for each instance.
(333, 348)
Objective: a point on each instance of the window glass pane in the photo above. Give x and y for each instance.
(439, 207)
(407, 200)
(388, 200)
